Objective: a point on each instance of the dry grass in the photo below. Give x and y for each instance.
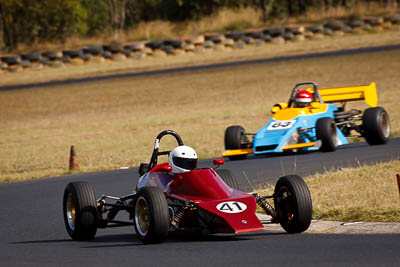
(357, 10)
(367, 193)
(113, 123)
(227, 20)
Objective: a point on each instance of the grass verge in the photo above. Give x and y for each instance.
(367, 193)
(113, 123)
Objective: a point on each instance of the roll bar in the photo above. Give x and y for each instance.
(154, 156)
(316, 95)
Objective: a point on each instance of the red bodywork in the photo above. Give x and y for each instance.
(236, 213)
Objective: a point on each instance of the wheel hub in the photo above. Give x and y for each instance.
(385, 125)
(142, 216)
(285, 206)
(71, 212)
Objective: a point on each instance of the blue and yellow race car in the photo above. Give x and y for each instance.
(309, 121)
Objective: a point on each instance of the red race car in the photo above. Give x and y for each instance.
(177, 195)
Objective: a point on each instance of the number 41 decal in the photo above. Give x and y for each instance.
(231, 207)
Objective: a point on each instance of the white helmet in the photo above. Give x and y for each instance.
(182, 159)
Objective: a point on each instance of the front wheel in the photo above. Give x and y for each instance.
(376, 126)
(293, 204)
(326, 131)
(80, 211)
(235, 138)
(151, 215)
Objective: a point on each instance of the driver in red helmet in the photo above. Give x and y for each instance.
(303, 99)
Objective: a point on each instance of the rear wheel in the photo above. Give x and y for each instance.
(376, 126)
(151, 215)
(326, 132)
(228, 178)
(293, 204)
(80, 211)
(235, 139)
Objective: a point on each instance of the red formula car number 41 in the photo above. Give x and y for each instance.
(178, 196)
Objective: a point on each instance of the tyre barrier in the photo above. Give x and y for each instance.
(197, 44)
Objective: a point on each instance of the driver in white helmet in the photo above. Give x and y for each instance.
(182, 159)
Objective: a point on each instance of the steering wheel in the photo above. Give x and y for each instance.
(156, 153)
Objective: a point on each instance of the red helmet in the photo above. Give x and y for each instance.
(303, 96)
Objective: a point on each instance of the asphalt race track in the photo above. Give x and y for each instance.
(32, 229)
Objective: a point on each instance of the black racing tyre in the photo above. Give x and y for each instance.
(336, 25)
(135, 47)
(234, 136)
(26, 63)
(151, 218)
(228, 178)
(53, 55)
(288, 36)
(66, 59)
(293, 204)
(276, 32)
(376, 126)
(114, 48)
(174, 43)
(11, 60)
(255, 34)
(234, 35)
(93, 50)
(235, 139)
(34, 57)
(356, 23)
(72, 53)
(248, 39)
(266, 37)
(375, 21)
(326, 132)
(154, 44)
(80, 211)
(106, 54)
(317, 28)
(218, 38)
(169, 49)
(85, 56)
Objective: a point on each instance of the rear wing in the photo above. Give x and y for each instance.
(351, 93)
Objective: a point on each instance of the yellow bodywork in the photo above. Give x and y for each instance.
(297, 146)
(237, 152)
(351, 93)
(291, 113)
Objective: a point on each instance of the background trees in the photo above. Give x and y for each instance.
(29, 21)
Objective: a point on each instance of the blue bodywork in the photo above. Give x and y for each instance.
(277, 134)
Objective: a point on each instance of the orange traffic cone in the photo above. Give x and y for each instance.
(73, 160)
(398, 181)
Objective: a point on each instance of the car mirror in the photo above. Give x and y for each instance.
(274, 109)
(166, 168)
(143, 168)
(218, 162)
